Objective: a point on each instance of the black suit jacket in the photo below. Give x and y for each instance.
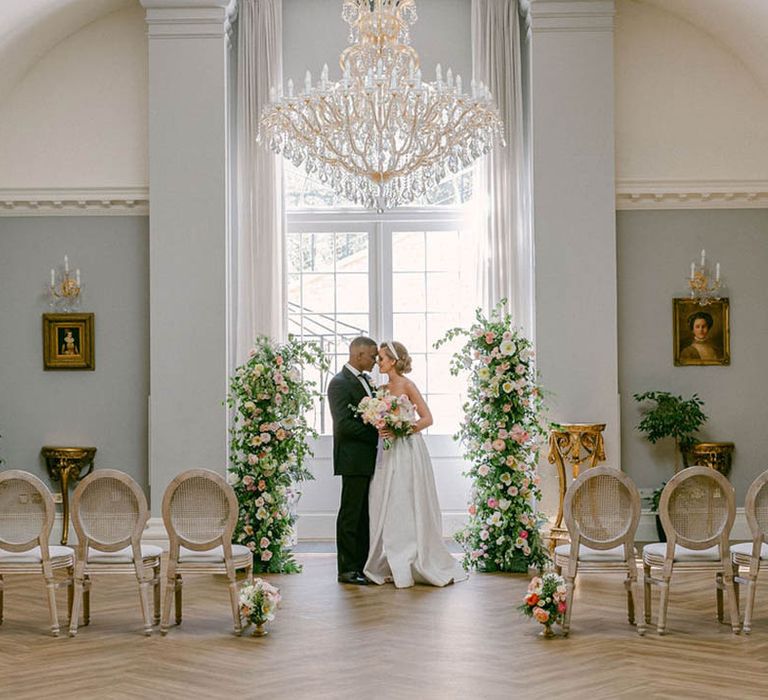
(354, 442)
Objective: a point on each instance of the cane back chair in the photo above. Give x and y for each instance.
(109, 513)
(602, 511)
(752, 554)
(200, 511)
(27, 512)
(697, 510)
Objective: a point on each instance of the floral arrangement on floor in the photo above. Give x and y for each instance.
(385, 410)
(269, 446)
(545, 599)
(502, 433)
(258, 603)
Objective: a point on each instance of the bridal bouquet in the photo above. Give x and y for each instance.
(385, 410)
(545, 600)
(258, 602)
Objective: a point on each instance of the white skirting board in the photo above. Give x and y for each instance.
(314, 527)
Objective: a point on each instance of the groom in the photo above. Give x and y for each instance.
(354, 457)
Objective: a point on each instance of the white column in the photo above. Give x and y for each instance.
(189, 181)
(574, 210)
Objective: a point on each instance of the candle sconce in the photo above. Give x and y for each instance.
(704, 289)
(64, 288)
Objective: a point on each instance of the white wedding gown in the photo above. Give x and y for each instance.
(406, 544)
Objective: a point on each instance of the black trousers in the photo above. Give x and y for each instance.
(352, 524)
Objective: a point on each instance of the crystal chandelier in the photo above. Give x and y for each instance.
(381, 136)
(704, 290)
(65, 289)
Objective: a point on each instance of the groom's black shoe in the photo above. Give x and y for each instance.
(353, 577)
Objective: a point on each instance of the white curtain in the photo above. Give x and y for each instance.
(506, 242)
(260, 270)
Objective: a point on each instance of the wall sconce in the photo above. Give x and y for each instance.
(64, 290)
(704, 290)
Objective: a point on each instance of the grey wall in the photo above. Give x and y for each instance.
(314, 33)
(655, 250)
(107, 407)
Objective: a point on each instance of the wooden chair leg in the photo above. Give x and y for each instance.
(70, 591)
(749, 604)
(719, 595)
(570, 585)
(234, 600)
(663, 603)
(143, 582)
(630, 601)
(77, 600)
(647, 593)
(736, 589)
(156, 594)
(1, 600)
(87, 601)
(730, 592)
(50, 585)
(178, 590)
(170, 587)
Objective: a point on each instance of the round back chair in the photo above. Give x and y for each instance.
(756, 507)
(697, 508)
(200, 510)
(26, 512)
(109, 510)
(602, 508)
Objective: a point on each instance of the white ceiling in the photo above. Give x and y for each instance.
(739, 25)
(30, 28)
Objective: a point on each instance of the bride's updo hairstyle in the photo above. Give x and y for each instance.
(400, 356)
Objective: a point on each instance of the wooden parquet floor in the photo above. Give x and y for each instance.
(332, 641)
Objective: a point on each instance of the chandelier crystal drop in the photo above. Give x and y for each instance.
(380, 136)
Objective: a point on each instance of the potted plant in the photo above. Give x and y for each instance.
(672, 416)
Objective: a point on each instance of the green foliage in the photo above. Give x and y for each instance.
(269, 446)
(501, 433)
(656, 497)
(672, 416)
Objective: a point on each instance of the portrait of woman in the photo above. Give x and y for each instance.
(701, 333)
(69, 343)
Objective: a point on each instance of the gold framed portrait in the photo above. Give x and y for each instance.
(68, 341)
(702, 334)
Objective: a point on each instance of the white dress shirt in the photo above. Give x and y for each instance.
(360, 378)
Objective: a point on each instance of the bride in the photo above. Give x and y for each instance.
(405, 525)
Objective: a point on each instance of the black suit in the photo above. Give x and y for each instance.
(354, 458)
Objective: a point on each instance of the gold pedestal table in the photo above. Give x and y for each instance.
(67, 464)
(715, 455)
(573, 444)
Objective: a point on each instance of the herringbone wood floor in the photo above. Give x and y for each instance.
(334, 641)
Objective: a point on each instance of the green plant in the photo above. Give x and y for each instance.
(502, 432)
(672, 417)
(656, 497)
(269, 445)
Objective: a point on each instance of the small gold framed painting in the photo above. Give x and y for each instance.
(702, 334)
(68, 341)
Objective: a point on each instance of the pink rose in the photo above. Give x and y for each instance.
(524, 534)
(279, 360)
(499, 445)
(262, 485)
(472, 510)
(561, 607)
(490, 336)
(484, 535)
(492, 503)
(248, 480)
(483, 470)
(541, 615)
(266, 555)
(506, 407)
(263, 543)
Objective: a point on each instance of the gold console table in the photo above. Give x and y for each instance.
(67, 464)
(715, 455)
(575, 444)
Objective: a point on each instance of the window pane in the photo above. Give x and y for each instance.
(443, 292)
(352, 252)
(443, 253)
(318, 293)
(317, 252)
(410, 330)
(419, 373)
(446, 413)
(407, 251)
(352, 292)
(408, 292)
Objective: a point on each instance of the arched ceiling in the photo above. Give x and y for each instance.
(739, 25)
(31, 28)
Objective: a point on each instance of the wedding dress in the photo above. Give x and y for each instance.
(406, 545)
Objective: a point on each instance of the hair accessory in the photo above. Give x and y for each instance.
(392, 350)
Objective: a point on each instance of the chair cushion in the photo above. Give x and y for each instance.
(745, 548)
(589, 554)
(32, 556)
(122, 556)
(211, 556)
(659, 549)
